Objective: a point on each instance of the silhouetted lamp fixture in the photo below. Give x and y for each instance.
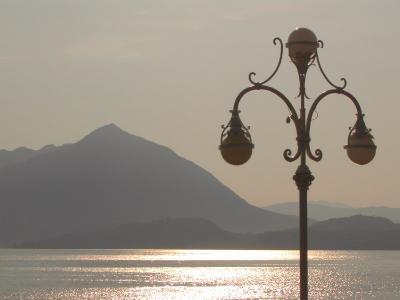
(302, 44)
(236, 144)
(360, 146)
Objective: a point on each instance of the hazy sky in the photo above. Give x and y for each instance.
(169, 71)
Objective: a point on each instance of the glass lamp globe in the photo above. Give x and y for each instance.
(236, 146)
(360, 147)
(302, 44)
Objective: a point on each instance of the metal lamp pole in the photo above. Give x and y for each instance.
(236, 143)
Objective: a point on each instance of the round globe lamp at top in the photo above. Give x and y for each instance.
(302, 44)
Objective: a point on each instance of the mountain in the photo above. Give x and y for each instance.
(22, 153)
(111, 177)
(353, 233)
(180, 233)
(356, 233)
(320, 210)
(350, 233)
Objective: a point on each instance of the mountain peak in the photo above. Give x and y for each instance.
(109, 128)
(106, 132)
(112, 177)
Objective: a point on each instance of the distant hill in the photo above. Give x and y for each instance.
(350, 233)
(169, 233)
(320, 210)
(111, 177)
(22, 153)
(353, 233)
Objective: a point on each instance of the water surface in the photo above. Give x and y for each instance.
(195, 274)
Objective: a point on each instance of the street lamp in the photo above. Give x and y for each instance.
(236, 143)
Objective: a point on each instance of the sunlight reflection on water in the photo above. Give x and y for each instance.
(195, 274)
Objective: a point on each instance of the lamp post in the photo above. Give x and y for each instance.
(236, 143)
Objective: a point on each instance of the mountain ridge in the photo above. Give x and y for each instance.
(352, 233)
(22, 153)
(321, 210)
(111, 177)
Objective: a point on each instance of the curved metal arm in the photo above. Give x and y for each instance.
(318, 152)
(287, 154)
(252, 74)
(321, 43)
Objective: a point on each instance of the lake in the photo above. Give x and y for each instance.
(195, 274)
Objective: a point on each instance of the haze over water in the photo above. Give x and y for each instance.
(195, 274)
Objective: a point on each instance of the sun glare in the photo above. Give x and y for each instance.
(216, 255)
